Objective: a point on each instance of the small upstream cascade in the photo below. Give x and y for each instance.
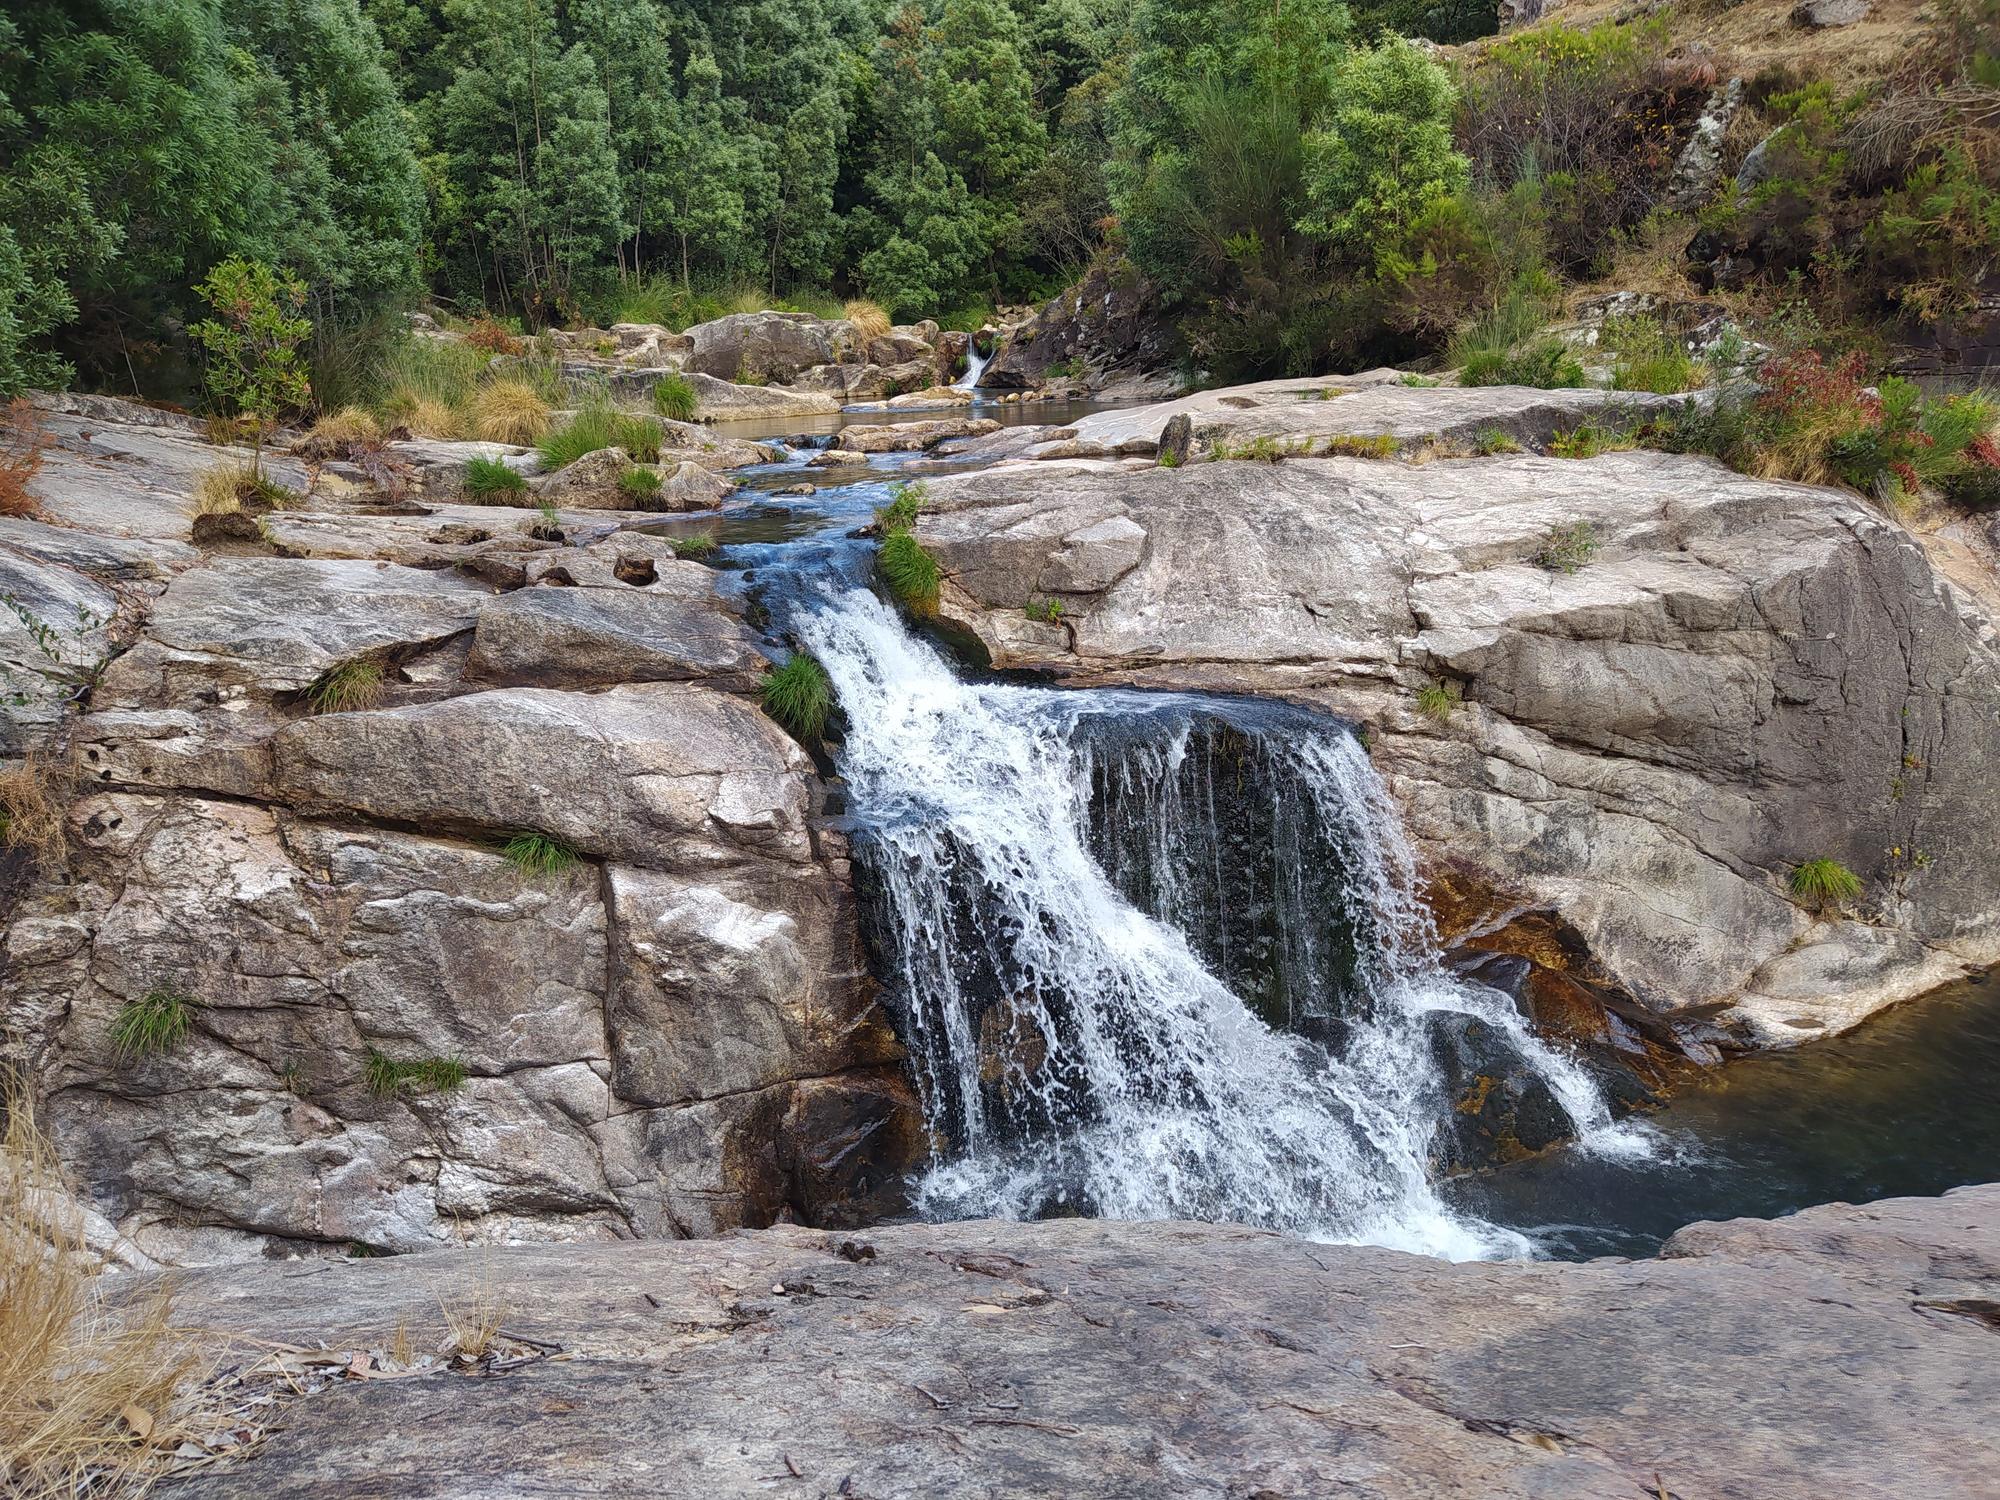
(975, 365)
(1156, 955)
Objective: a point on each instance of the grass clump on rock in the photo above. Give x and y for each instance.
(799, 696)
(346, 686)
(489, 479)
(539, 854)
(386, 1075)
(596, 427)
(227, 488)
(641, 486)
(510, 411)
(1437, 699)
(674, 398)
(1824, 882)
(912, 574)
(1568, 548)
(869, 320)
(157, 1023)
(700, 544)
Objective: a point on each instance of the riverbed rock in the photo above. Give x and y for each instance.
(1740, 675)
(725, 401)
(1842, 1351)
(911, 437)
(1109, 329)
(764, 346)
(592, 483)
(671, 628)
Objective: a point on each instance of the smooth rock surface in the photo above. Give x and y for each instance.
(723, 400)
(1841, 1352)
(672, 629)
(1743, 676)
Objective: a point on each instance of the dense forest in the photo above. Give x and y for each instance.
(1297, 183)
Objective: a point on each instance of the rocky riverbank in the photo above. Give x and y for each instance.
(1842, 1351)
(1620, 698)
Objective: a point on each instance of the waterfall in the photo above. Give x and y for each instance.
(975, 365)
(1109, 1011)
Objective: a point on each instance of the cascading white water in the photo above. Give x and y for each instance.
(1076, 1052)
(975, 365)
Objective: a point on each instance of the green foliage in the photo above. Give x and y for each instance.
(252, 343)
(1568, 548)
(600, 426)
(1437, 699)
(489, 478)
(906, 502)
(157, 1023)
(385, 1075)
(799, 696)
(1048, 611)
(674, 398)
(1649, 358)
(1824, 882)
(912, 574)
(1490, 441)
(539, 854)
(1588, 440)
(348, 685)
(1345, 445)
(697, 545)
(1384, 153)
(640, 486)
(1547, 363)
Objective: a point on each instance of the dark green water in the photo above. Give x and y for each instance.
(1907, 1104)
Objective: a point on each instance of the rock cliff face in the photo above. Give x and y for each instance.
(675, 1034)
(1738, 676)
(1843, 1351)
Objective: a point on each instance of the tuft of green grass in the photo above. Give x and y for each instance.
(1169, 459)
(700, 544)
(1568, 548)
(799, 696)
(1489, 441)
(488, 477)
(157, 1023)
(1588, 441)
(1547, 363)
(346, 686)
(539, 854)
(1345, 446)
(912, 574)
(640, 485)
(900, 514)
(1048, 611)
(386, 1075)
(1825, 882)
(674, 398)
(599, 426)
(1438, 698)
(548, 523)
(1420, 382)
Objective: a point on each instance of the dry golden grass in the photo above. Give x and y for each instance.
(423, 416)
(473, 1322)
(91, 1399)
(32, 797)
(510, 411)
(351, 424)
(869, 321)
(219, 490)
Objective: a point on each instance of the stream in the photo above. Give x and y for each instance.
(1164, 955)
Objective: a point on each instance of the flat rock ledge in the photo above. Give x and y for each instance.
(1842, 1351)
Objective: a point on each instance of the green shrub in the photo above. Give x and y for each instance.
(1568, 548)
(1048, 611)
(385, 1075)
(641, 486)
(539, 854)
(674, 398)
(346, 686)
(799, 696)
(157, 1023)
(1825, 882)
(912, 574)
(486, 478)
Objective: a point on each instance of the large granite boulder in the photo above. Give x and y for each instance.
(1843, 1351)
(765, 346)
(1739, 676)
(726, 401)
